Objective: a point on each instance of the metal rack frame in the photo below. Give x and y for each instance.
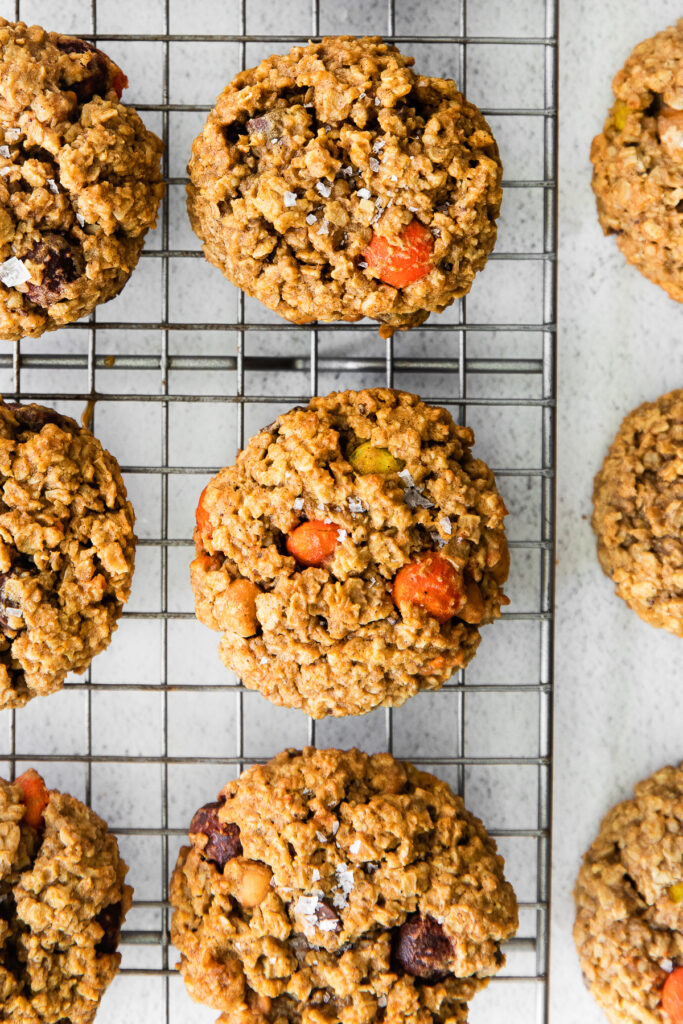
(459, 366)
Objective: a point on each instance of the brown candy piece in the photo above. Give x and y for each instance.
(423, 948)
(109, 919)
(223, 837)
(59, 268)
(34, 417)
(96, 82)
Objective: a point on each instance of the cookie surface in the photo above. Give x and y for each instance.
(384, 480)
(67, 550)
(312, 154)
(629, 902)
(637, 161)
(638, 512)
(333, 886)
(62, 902)
(80, 180)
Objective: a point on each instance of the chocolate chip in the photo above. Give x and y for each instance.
(96, 82)
(422, 948)
(223, 837)
(34, 417)
(325, 913)
(59, 269)
(109, 919)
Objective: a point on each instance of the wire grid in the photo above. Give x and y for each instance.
(458, 368)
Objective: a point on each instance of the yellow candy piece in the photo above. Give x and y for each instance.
(367, 459)
(676, 892)
(620, 113)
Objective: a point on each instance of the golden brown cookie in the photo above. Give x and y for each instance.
(638, 512)
(63, 900)
(351, 554)
(80, 180)
(67, 550)
(638, 161)
(333, 183)
(332, 886)
(629, 904)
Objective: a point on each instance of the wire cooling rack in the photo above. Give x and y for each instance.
(182, 367)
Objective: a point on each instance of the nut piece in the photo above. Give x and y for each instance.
(109, 920)
(250, 881)
(670, 129)
(423, 949)
(236, 608)
(223, 837)
(367, 459)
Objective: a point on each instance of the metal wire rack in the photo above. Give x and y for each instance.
(498, 374)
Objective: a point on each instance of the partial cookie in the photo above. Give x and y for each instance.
(351, 554)
(629, 905)
(80, 180)
(63, 900)
(333, 183)
(638, 161)
(332, 886)
(638, 512)
(67, 550)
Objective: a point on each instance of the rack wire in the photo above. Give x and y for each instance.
(500, 373)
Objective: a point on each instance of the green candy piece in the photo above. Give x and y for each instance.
(367, 459)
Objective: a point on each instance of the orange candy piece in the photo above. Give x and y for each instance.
(202, 516)
(401, 265)
(36, 797)
(120, 83)
(672, 996)
(313, 542)
(432, 582)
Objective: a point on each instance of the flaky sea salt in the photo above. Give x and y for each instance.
(4, 170)
(355, 506)
(666, 965)
(311, 218)
(80, 219)
(324, 228)
(374, 163)
(347, 172)
(362, 264)
(377, 101)
(306, 905)
(12, 134)
(263, 661)
(13, 272)
(378, 145)
(289, 198)
(363, 193)
(5, 151)
(393, 178)
(344, 878)
(324, 189)
(382, 1002)
(355, 847)
(406, 477)
(320, 837)
(335, 827)
(414, 498)
(445, 525)
(53, 186)
(298, 504)
(341, 535)
(316, 875)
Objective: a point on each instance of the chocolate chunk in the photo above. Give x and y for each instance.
(109, 919)
(422, 948)
(59, 269)
(34, 417)
(223, 837)
(328, 920)
(96, 83)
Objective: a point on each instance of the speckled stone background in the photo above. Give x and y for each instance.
(617, 709)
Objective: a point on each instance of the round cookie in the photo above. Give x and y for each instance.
(638, 161)
(67, 550)
(351, 554)
(331, 886)
(333, 183)
(638, 512)
(63, 900)
(80, 180)
(629, 904)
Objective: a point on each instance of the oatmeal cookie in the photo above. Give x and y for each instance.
(62, 902)
(638, 512)
(67, 550)
(334, 183)
(629, 900)
(80, 180)
(638, 161)
(332, 886)
(351, 554)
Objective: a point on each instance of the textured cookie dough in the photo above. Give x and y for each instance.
(330, 886)
(629, 919)
(62, 903)
(330, 639)
(638, 161)
(638, 512)
(308, 154)
(80, 180)
(67, 550)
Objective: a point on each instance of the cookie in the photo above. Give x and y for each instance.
(67, 550)
(63, 900)
(333, 183)
(80, 180)
(332, 886)
(638, 512)
(351, 554)
(629, 904)
(637, 161)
